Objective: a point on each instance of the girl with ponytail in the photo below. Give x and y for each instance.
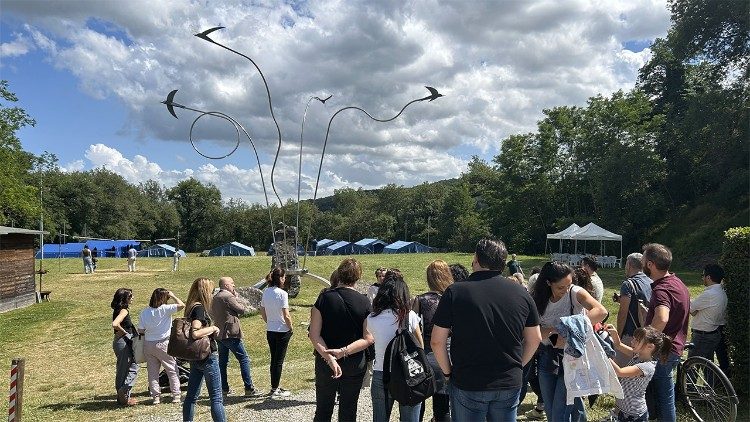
(274, 309)
(649, 344)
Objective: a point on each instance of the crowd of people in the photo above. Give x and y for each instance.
(488, 337)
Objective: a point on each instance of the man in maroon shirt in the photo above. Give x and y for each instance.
(668, 312)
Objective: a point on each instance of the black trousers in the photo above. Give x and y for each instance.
(531, 377)
(278, 343)
(347, 386)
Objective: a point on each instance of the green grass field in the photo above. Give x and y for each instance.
(67, 342)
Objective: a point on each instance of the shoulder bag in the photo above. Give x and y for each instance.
(137, 345)
(370, 351)
(181, 343)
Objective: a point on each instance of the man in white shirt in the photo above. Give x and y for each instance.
(709, 311)
(132, 254)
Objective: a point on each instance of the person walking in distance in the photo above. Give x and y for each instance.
(132, 255)
(490, 344)
(668, 312)
(225, 312)
(88, 260)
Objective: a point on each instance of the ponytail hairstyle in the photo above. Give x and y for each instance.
(276, 277)
(551, 272)
(662, 342)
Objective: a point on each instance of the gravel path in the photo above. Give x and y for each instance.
(300, 406)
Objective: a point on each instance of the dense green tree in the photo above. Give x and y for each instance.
(19, 197)
(199, 208)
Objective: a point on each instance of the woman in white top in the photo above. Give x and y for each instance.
(156, 322)
(555, 297)
(391, 306)
(274, 309)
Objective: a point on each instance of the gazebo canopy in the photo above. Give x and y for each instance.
(565, 234)
(593, 232)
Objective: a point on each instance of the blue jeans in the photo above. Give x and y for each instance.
(554, 392)
(664, 389)
(238, 349)
(382, 403)
(490, 405)
(208, 369)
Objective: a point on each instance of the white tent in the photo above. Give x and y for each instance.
(563, 235)
(588, 232)
(593, 232)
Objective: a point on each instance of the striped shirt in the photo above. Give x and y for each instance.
(634, 388)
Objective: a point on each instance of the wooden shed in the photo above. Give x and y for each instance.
(17, 284)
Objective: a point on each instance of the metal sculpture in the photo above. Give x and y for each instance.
(284, 254)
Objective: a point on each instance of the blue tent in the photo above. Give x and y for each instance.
(401, 246)
(66, 250)
(340, 248)
(232, 249)
(321, 245)
(369, 246)
(161, 250)
(112, 248)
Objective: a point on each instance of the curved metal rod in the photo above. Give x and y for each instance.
(299, 171)
(434, 94)
(204, 35)
(169, 102)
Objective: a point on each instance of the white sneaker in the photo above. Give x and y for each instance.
(280, 392)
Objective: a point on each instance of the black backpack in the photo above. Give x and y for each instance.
(407, 375)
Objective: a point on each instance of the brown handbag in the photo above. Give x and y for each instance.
(183, 346)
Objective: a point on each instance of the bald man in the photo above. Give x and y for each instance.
(225, 311)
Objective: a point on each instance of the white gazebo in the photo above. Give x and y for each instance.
(588, 232)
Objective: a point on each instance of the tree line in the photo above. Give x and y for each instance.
(634, 162)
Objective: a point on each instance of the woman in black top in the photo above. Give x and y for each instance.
(439, 277)
(338, 334)
(127, 369)
(198, 311)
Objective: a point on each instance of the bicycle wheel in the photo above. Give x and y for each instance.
(707, 392)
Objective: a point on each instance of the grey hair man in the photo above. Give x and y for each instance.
(635, 288)
(225, 311)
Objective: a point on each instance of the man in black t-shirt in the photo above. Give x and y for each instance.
(494, 328)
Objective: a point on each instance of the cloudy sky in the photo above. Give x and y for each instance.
(93, 73)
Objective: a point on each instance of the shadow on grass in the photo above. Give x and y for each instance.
(275, 404)
(97, 403)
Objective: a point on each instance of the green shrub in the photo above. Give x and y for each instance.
(735, 259)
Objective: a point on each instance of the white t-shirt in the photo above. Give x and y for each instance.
(383, 328)
(132, 253)
(559, 309)
(274, 301)
(712, 308)
(157, 321)
(598, 285)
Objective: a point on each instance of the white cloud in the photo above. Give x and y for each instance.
(498, 63)
(18, 47)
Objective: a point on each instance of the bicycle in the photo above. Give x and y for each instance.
(705, 390)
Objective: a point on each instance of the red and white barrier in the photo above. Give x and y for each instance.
(16, 390)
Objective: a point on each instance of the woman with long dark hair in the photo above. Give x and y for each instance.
(555, 296)
(390, 309)
(274, 309)
(155, 322)
(198, 311)
(127, 369)
(339, 336)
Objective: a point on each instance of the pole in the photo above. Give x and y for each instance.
(41, 228)
(15, 399)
